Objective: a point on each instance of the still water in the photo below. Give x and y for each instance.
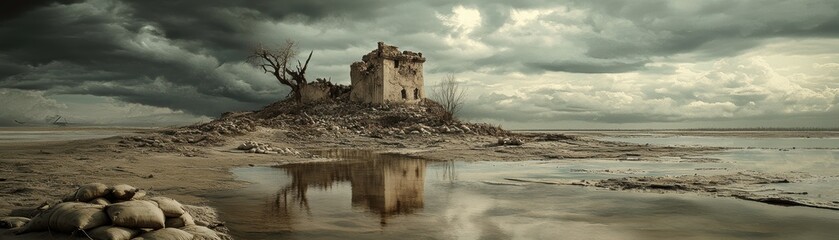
(56, 135)
(372, 196)
(733, 142)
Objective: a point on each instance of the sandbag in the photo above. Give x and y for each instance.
(201, 233)
(170, 207)
(100, 201)
(165, 234)
(72, 216)
(112, 233)
(91, 191)
(123, 192)
(14, 222)
(176, 222)
(137, 214)
(38, 223)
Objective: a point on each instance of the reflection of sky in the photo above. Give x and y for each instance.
(738, 142)
(821, 162)
(39, 136)
(467, 208)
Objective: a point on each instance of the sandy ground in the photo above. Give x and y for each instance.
(746, 134)
(32, 173)
(36, 172)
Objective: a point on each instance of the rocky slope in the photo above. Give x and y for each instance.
(312, 120)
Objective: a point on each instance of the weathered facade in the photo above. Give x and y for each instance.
(388, 186)
(387, 75)
(314, 92)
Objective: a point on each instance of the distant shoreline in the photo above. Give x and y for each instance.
(77, 128)
(685, 130)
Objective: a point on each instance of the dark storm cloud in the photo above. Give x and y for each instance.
(188, 55)
(98, 49)
(13, 8)
(661, 28)
(589, 67)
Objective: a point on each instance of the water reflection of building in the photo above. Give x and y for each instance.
(389, 186)
(383, 184)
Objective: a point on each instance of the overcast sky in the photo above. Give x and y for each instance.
(527, 64)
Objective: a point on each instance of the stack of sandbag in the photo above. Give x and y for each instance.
(115, 213)
(101, 194)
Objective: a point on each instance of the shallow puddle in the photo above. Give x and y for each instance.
(372, 196)
(733, 142)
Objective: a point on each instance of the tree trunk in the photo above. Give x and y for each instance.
(295, 93)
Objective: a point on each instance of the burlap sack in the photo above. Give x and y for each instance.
(165, 234)
(201, 233)
(137, 214)
(38, 223)
(14, 222)
(72, 216)
(100, 201)
(123, 192)
(170, 207)
(177, 222)
(112, 233)
(91, 191)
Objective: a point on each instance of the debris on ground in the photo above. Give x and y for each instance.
(509, 142)
(742, 185)
(265, 148)
(331, 118)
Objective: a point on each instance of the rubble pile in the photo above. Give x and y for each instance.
(97, 211)
(229, 126)
(264, 148)
(339, 117)
(334, 117)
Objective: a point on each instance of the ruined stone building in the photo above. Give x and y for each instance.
(387, 75)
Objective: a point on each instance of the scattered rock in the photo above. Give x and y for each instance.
(264, 148)
(554, 137)
(510, 142)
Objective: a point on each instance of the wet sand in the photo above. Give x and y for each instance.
(35, 172)
(38, 171)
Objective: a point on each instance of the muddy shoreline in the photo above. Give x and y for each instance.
(35, 172)
(38, 172)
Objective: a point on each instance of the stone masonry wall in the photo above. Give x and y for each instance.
(387, 75)
(314, 92)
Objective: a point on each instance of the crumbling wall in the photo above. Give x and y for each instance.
(314, 92)
(387, 75)
(366, 82)
(403, 82)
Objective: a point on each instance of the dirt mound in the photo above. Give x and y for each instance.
(315, 119)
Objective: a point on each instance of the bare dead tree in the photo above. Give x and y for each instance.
(450, 94)
(277, 62)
